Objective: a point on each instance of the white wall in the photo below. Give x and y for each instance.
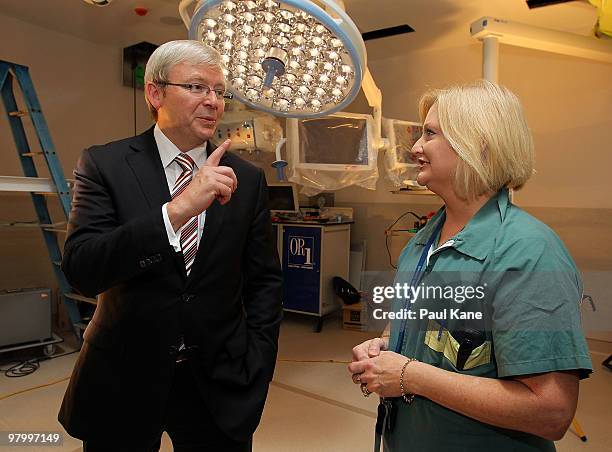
(79, 87)
(80, 90)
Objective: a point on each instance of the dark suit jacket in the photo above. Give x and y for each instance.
(229, 307)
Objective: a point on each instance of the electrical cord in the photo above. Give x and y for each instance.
(389, 230)
(6, 396)
(29, 366)
(23, 368)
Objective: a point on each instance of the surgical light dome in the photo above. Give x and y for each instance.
(290, 58)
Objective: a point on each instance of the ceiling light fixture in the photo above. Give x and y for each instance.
(98, 2)
(290, 58)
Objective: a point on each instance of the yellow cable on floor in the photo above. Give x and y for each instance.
(327, 361)
(6, 396)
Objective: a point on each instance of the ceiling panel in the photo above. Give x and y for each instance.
(437, 24)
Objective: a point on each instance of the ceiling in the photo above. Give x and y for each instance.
(437, 23)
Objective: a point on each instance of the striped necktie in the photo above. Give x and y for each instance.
(189, 233)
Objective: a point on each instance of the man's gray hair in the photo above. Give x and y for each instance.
(171, 53)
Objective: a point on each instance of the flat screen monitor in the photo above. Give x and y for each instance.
(283, 198)
(338, 142)
(402, 135)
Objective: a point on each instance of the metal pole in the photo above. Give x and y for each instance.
(490, 58)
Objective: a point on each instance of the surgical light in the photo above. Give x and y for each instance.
(290, 58)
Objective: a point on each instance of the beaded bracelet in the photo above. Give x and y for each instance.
(406, 397)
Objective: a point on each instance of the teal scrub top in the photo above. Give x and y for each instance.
(506, 279)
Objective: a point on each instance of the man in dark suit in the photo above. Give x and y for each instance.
(177, 242)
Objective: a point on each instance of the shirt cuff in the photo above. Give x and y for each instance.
(174, 238)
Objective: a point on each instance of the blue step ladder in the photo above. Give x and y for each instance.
(35, 185)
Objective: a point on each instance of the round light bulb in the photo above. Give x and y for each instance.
(266, 17)
(228, 6)
(270, 4)
(229, 19)
(296, 53)
(283, 104)
(253, 95)
(255, 81)
(315, 104)
(262, 41)
(286, 14)
(298, 40)
(259, 54)
(282, 41)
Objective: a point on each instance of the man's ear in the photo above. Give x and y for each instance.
(154, 94)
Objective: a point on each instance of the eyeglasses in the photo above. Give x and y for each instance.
(201, 90)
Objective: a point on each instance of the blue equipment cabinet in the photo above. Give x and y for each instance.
(311, 255)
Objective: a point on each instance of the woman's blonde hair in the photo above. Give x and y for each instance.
(485, 125)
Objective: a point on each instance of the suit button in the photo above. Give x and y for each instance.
(187, 297)
(142, 263)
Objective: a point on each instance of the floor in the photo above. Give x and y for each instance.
(312, 407)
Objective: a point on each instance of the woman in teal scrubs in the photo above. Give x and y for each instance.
(490, 350)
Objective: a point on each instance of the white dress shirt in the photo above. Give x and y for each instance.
(168, 152)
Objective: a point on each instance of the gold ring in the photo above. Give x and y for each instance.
(364, 389)
(356, 378)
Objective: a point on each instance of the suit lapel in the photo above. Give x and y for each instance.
(148, 170)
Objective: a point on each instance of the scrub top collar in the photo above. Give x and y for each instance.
(477, 237)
